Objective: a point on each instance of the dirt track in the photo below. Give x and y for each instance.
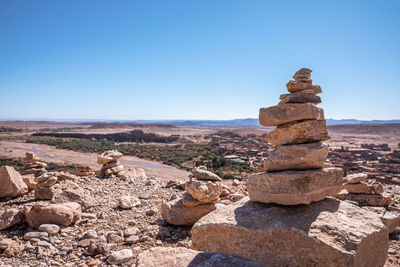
(52, 154)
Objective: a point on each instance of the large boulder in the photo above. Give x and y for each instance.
(11, 182)
(60, 214)
(325, 233)
(295, 187)
(183, 257)
(284, 113)
(174, 212)
(298, 133)
(296, 157)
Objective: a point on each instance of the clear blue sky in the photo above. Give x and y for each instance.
(195, 59)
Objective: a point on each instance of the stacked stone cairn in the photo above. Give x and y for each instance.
(289, 218)
(84, 171)
(202, 193)
(294, 173)
(33, 165)
(363, 191)
(111, 164)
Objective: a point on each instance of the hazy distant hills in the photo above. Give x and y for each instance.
(254, 122)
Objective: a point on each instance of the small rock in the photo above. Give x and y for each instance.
(51, 229)
(121, 256)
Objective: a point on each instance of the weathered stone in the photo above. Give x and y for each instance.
(45, 193)
(300, 97)
(60, 214)
(355, 178)
(325, 233)
(295, 187)
(111, 164)
(391, 220)
(302, 74)
(204, 191)
(366, 200)
(128, 202)
(284, 113)
(189, 201)
(295, 86)
(29, 180)
(182, 257)
(98, 247)
(362, 188)
(108, 156)
(205, 175)
(11, 183)
(114, 170)
(36, 235)
(51, 229)
(296, 157)
(77, 195)
(121, 256)
(298, 133)
(174, 212)
(9, 218)
(81, 168)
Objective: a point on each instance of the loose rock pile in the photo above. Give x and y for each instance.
(363, 191)
(111, 165)
(325, 231)
(84, 171)
(202, 192)
(33, 165)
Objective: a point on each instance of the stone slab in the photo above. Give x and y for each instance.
(295, 187)
(326, 233)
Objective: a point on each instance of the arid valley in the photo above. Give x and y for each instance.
(371, 148)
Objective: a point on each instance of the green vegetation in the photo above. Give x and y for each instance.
(51, 166)
(175, 155)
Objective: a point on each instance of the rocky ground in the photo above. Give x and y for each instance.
(138, 228)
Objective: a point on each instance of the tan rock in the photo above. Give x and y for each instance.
(205, 175)
(29, 180)
(114, 170)
(11, 183)
(45, 193)
(325, 233)
(300, 97)
(204, 191)
(108, 156)
(31, 156)
(111, 164)
(81, 168)
(302, 74)
(128, 202)
(295, 86)
(121, 256)
(60, 214)
(296, 157)
(189, 201)
(295, 187)
(284, 113)
(298, 133)
(9, 218)
(77, 194)
(391, 219)
(174, 212)
(366, 200)
(183, 257)
(355, 178)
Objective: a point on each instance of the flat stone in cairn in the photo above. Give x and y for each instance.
(284, 113)
(298, 132)
(296, 157)
(300, 97)
(295, 187)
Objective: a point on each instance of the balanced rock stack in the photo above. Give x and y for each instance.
(365, 192)
(300, 225)
(110, 161)
(33, 165)
(84, 171)
(293, 171)
(202, 192)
